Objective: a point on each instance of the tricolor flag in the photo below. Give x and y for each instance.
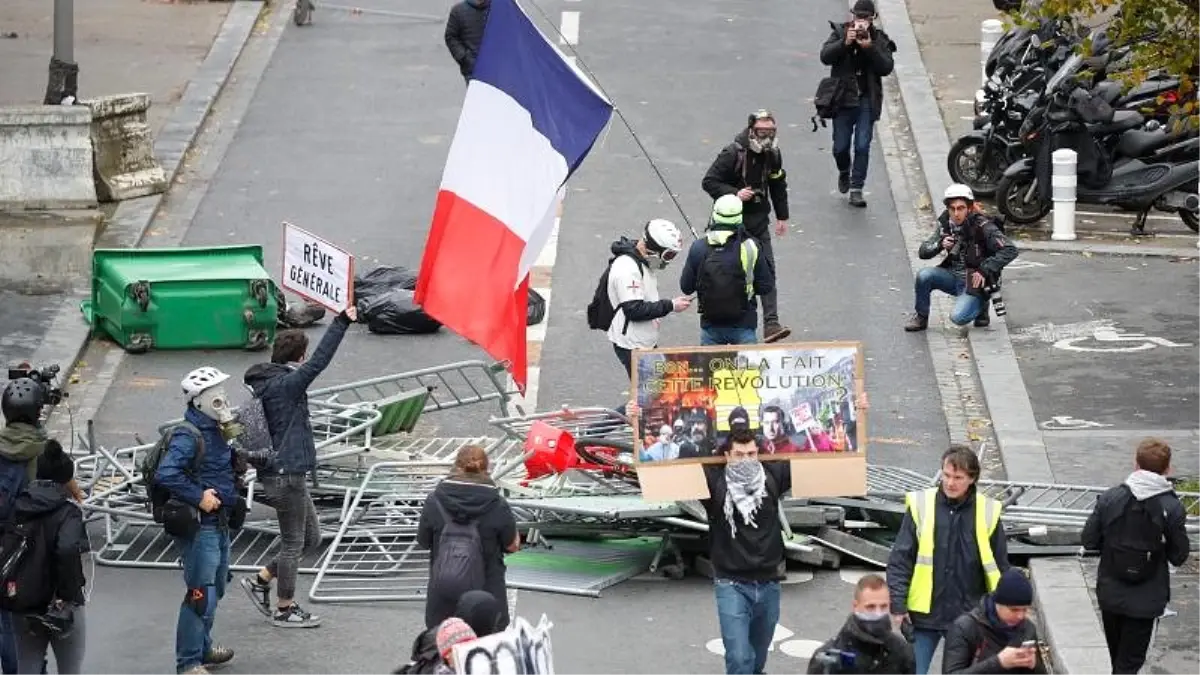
(528, 120)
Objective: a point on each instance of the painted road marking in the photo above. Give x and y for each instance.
(1068, 423)
(569, 29)
(1024, 265)
(1052, 332)
(1108, 335)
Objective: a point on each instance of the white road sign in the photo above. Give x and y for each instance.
(316, 269)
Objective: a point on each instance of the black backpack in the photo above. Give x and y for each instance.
(833, 94)
(1133, 541)
(721, 287)
(459, 566)
(14, 477)
(600, 312)
(25, 583)
(148, 467)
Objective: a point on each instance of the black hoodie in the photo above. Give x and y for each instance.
(469, 500)
(974, 642)
(66, 539)
(892, 654)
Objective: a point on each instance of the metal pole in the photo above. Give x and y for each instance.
(991, 31)
(1062, 191)
(62, 87)
(64, 30)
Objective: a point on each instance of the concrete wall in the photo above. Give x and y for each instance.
(47, 251)
(46, 158)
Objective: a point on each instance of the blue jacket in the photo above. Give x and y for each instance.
(764, 281)
(216, 468)
(283, 389)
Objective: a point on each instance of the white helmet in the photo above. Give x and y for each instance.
(663, 241)
(200, 379)
(958, 191)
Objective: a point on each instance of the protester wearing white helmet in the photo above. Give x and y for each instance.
(632, 288)
(197, 470)
(975, 249)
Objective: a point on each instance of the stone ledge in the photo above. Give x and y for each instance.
(44, 115)
(1075, 636)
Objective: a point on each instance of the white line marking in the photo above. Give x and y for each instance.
(569, 27)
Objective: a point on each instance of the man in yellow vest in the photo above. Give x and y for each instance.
(949, 554)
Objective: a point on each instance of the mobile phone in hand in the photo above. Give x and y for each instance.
(1029, 644)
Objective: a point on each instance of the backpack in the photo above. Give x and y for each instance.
(1133, 541)
(720, 286)
(833, 94)
(459, 566)
(256, 434)
(425, 657)
(25, 583)
(13, 478)
(148, 467)
(600, 311)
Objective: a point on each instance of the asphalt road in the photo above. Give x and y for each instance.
(686, 75)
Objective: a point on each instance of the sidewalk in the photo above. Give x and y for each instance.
(121, 46)
(949, 42)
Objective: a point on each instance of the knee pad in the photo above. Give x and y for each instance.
(198, 598)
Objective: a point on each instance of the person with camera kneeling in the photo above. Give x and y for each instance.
(197, 471)
(976, 251)
(997, 636)
(867, 643)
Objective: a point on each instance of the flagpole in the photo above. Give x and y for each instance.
(621, 116)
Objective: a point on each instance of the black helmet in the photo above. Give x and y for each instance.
(22, 401)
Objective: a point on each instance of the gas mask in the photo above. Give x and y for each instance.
(660, 259)
(214, 403)
(759, 144)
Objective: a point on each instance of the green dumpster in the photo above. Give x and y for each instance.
(182, 298)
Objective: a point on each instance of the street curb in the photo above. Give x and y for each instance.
(1109, 249)
(1022, 447)
(68, 334)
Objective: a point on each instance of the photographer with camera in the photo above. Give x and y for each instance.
(867, 643)
(281, 388)
(976, 251)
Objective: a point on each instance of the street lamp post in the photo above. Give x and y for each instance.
(63, 84)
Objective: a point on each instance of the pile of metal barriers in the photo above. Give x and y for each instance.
(382, 447)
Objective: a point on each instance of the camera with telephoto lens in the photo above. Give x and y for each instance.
(836, 660)
(45, 377)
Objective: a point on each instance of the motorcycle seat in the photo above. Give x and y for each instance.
(1137, 143)
(1109, 91)
(1151, 88)
(1122, 120)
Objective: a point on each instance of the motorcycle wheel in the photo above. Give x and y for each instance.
(963, 164)
(1190, 219)
(1010, 199)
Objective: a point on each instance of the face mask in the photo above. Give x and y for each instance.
(876, 624)
(660, 259)
(215, 404)
(761, 144)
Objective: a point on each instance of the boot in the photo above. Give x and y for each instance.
(984, 319)
(843, 182)
(773, 332)
(856, 199)
(918, 322)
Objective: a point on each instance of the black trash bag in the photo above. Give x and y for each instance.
(535, 313)
(381, 280)
(395, 313)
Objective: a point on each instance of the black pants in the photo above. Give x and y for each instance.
(758, 225)
(1128, 639)
(299, 527)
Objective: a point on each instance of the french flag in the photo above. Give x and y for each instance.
(528, 120)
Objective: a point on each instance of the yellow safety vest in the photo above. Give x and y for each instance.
(923, 505)
(748, 252)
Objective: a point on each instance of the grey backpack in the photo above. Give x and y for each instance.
(459, 565)
(255, 439)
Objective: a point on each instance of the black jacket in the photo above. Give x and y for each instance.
(466, 501)
(985, 248)
(752, 553)
(893, 654)
(464, 32)
(63, 522)
(958, 578)
(737, 167)
(1148, 599)
(974, 640)
(864, 66)
(283, 389)
(764, 281)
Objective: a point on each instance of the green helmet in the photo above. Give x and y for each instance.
(727, 210)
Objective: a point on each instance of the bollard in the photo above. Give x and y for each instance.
(990, 33)
(1062, 192)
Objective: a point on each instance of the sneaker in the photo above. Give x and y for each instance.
(774, 332)
(260, 593)
(295, 617)
(856, 199)
(843, 183)
(917, 323)
(195, 670)
(217, 656)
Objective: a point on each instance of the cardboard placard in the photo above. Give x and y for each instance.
(802, 400)
(317, 270)
(523, 649)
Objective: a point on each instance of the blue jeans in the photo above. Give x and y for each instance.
(966, 307)
(925, 643)
(8, 643)
(857, 125)
(748, 612)
(205, 560)
(727, 335)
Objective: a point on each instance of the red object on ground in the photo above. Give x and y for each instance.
(553, 451)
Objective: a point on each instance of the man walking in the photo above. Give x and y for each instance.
(751, 167)
(1138, 527)
(726, 273)
(282, 386)
(859, 54)
(950, 552)
(464, 33)
(976, 252)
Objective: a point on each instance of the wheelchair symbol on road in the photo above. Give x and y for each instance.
(1068, 423)
(1024, 265)
(1121, 342)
